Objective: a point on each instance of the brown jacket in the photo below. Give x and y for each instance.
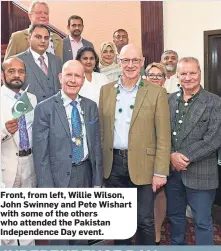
(149, 135)
(19, 43)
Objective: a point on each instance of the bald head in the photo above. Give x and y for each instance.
(10, 61)
(131, 49)
(73, 64)
(72, 78)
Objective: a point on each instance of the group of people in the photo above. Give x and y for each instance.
(100, 122)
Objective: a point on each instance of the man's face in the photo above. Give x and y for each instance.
(189, 76)
(120, 39)
(40, 14)
(39, 40)
(76, 27)
(72, 78)
(131, 62)
(170, 61)
(14, 74)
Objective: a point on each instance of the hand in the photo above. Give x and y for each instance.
(179, 161)
(97, 186)
(12, 126)
(158, 182)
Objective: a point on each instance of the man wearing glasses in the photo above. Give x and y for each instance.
(196, 136)
(74, 41)
(38, 14)
(135, 138)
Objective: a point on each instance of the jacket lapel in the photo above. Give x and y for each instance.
(173, 108)
(67, 44)
(62, 113)
(199, 107)
(141, 93)
(112, 105)
(30, 60)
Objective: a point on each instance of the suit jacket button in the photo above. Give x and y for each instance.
(70, 156)
(44, 96)
(111, 149)
(16, 154)
(68, 173)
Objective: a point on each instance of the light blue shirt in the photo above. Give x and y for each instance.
(68, 108)
(125, 99)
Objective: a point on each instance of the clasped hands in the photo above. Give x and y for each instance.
(179, 161)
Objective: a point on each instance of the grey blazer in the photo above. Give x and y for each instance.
(52, 144)
(67, 50)
(201, 140)
(36, 86)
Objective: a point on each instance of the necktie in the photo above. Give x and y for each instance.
(77, 137)
(43, 65)
(23, 133)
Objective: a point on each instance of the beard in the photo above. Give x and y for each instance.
(170, 68)
(14, 84)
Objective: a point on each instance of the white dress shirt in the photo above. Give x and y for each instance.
(36, 57)
(75, 46)
(92, 89)
(171, 84)
(68, 108)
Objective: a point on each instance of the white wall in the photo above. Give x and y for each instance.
(184, 24)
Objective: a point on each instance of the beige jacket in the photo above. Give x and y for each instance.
(149, 135)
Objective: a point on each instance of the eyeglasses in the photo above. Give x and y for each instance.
(191, 74)
(134, 61)
(157, 76)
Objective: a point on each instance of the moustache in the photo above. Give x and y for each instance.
(17, 80)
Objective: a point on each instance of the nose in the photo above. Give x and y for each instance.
(17, 75)
(130, 63)
(188, 77)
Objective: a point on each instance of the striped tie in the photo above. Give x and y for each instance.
(43, 65)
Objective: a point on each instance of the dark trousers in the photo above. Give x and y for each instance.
(200, 202)
(145, 202)
(81, 177)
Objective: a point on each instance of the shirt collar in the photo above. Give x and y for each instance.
(73, 40)
(136, 85)
(36, 55)
(66, 100)
(9, 92)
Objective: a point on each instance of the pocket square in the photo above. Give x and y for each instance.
(93, 121)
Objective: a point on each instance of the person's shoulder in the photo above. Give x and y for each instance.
(49, 101)
(211, 97)
(56, 36)
(19, 34)
(88, 101)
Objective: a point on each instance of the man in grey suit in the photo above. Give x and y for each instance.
(42, 68)
(196, 136)
(74, 41)
(66, 138)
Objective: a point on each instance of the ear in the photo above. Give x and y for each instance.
(30, 16)
(2, 76)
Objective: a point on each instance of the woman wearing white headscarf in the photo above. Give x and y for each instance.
(107, 65)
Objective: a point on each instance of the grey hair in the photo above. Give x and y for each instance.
(189, 59)
(31, 7)
(168, 52)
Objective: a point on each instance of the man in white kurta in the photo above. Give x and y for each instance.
(16, 162)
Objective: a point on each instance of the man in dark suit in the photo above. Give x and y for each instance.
(42, 68)
(62, 152)
(196, 136)
(38, 14)
(74, 41)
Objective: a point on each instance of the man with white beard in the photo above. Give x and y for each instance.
(169, 59)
